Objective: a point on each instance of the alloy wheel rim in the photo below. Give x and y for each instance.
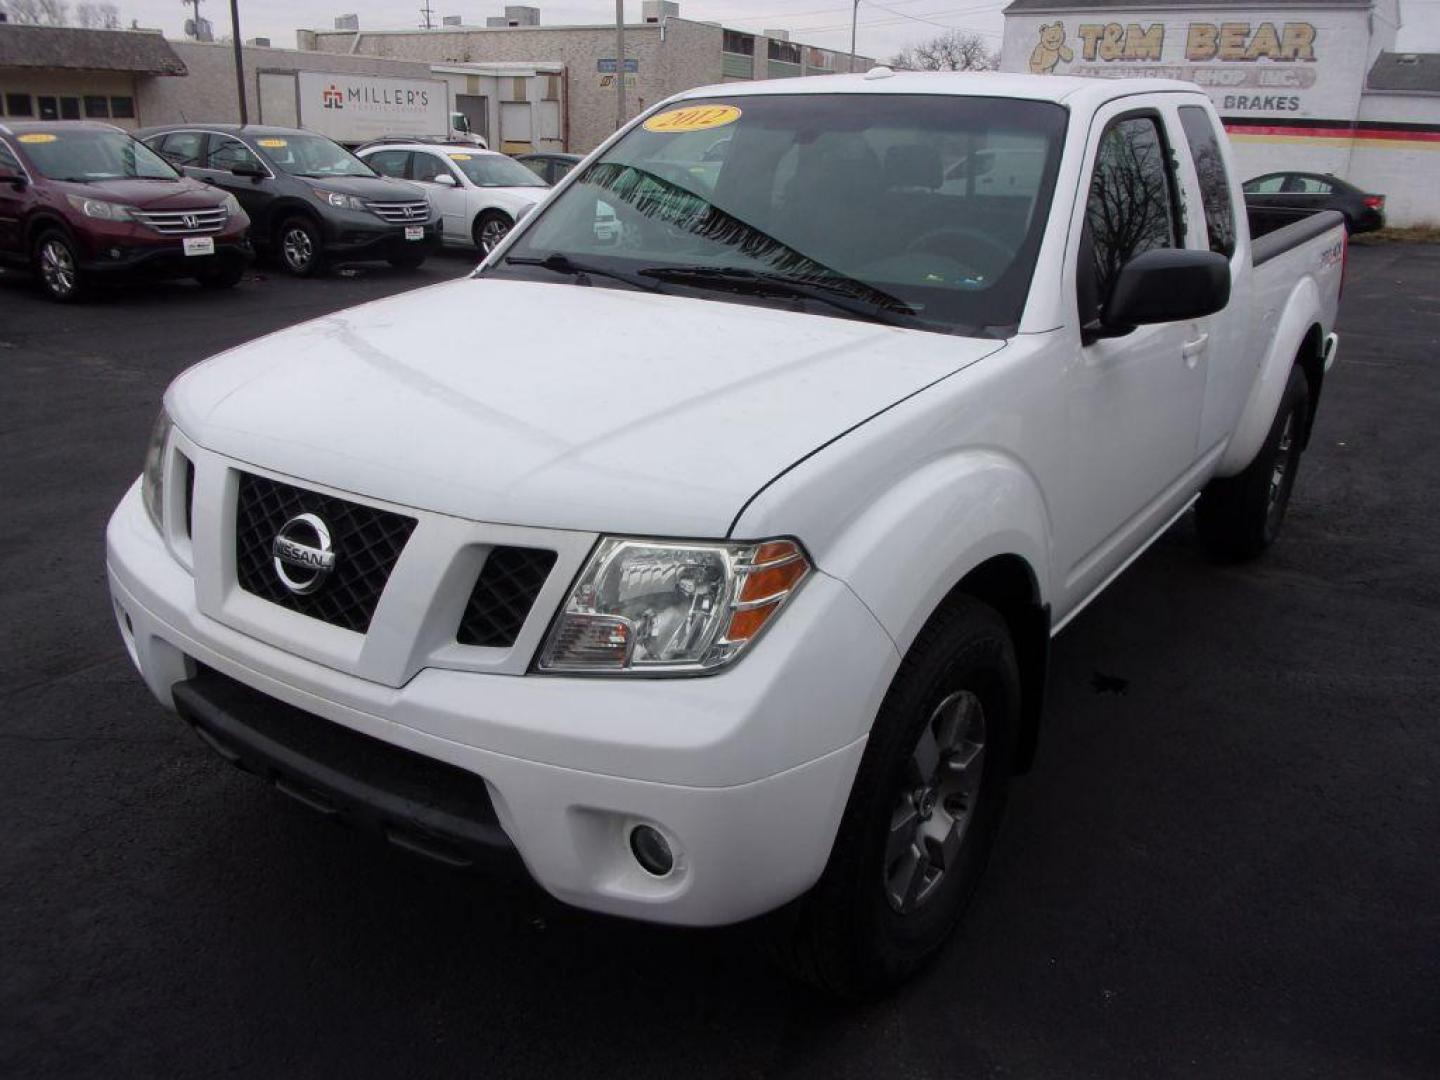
(491, 233)
(298, 249)
(936, 802)
(57, 266)
(1281, 469)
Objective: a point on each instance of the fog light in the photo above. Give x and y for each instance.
(651, 850)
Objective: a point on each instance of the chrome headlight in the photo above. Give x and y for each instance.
(343, 201)
(152, 477)
(99, 208)
(652, 607)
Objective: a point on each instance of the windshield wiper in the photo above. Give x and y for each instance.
(884, 308)
(559, 263)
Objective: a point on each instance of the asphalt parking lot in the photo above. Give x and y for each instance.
(1225, 863)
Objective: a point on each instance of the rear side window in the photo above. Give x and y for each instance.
(182, 147)
(1131, 207)
(1214, 184)
(427, 167)
(389, 162)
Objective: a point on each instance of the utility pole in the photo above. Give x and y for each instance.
(854, 18)
(239, 59)
(428, 14)
(619, 64)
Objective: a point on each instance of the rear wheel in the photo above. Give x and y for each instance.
(1238, 517)
(922, 815)
(57, 267)
(490, 228)
(301, 247)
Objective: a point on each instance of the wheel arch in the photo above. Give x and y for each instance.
(281, 211)
(1311, 360)
(42, 220)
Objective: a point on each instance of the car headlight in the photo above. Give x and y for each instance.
(99, 208)
(231, 204)
(343, 201)
(152, 477)
(652, 607)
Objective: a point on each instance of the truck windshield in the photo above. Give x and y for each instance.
(310, 155)
(88, 155)
(914, 210)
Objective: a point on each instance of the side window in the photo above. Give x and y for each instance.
(1313, 185)
(182, 147)
(562, 169)
(231, 152)
(9, 166)
(1131, 208)
(1214, 184)
(389, 162)
(535, 165)
(427, 167)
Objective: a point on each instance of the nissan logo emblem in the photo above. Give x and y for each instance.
(303, 556)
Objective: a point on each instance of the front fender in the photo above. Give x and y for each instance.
(1301, 312)
(908, 547)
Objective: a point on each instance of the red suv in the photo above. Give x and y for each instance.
(80, 202)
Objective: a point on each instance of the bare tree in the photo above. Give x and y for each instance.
(39, 12)
(954, 50)
(93, 16)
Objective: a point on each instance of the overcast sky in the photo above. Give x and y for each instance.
(885, 26)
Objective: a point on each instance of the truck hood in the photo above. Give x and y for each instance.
(556, 405)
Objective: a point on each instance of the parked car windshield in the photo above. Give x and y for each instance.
(495, 170)
(915, 210)
(310, 155)
(86, 156)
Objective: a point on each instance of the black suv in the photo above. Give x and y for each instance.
(310, 200)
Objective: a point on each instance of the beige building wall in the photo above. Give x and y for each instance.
(208, 94)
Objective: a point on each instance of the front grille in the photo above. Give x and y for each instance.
(402, 212)
(504, 593)
(184, 222)
(367, 543)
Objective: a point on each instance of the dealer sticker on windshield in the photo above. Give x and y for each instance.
(272, 144)
(693, 118)
(37, 137)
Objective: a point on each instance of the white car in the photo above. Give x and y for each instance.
(478, 194)
(721, 580)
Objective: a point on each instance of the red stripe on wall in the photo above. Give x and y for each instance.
(1396, 134)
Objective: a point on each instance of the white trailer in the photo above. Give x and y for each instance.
(354, 108)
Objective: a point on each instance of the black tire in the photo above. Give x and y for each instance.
(489, 229)
(411, 260)
(852, 934)
(225, 276)
(57, 267)
(1239, 516)
(300, 247)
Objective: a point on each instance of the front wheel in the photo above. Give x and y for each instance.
(56, 265)
(1239, 516)
(301, 247)
(490, 228)
(922, 815)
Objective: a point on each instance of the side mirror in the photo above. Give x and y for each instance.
(247, 168)
(1165, 285)
(444, 180)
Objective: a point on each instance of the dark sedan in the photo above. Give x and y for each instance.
(550, 166)
(1283, 192)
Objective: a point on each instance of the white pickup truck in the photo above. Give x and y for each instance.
(719, 581)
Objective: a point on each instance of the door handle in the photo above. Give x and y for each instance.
(1192, 350)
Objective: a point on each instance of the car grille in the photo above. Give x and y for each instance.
(504, 593)
(401, 212)
(367, 543)
(184, 222)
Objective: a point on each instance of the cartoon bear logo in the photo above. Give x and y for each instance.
(1051, 50)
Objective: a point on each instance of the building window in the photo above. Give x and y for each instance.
(736, 42)
(97, 108)
(69, 108)
(552, 87)
(517, 89)
(122, 108)
(785, 51)
(18, 105)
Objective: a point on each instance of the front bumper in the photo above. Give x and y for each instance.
(746, 773)
(166, 259)
(361, 237)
